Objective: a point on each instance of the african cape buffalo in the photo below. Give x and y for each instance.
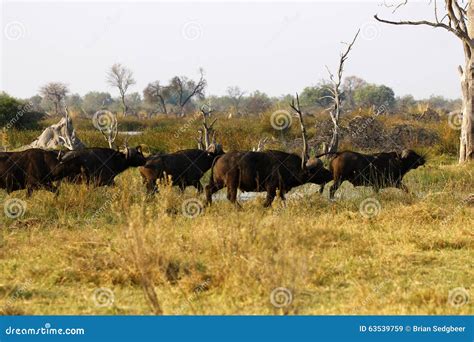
(262, 171)
(99, 166)
(378, 170)
(32, 169)
(186, 167)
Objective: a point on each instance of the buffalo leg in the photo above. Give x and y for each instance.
(151, 187)
(334, 187)
(271, 193)
(197, 184)
(212, 188)
(29, 191)
(50, 187)
(321, 189)
(232, 183)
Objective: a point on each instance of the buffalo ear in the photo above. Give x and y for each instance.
(139, 149)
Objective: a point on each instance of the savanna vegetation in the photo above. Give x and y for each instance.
(113, 250)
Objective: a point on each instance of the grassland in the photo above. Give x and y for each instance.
(402, 254)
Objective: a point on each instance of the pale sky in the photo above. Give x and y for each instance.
(278, 48)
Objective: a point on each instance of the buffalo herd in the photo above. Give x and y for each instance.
(263, 171)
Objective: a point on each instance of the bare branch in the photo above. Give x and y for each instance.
(297, 108)
(460, 34)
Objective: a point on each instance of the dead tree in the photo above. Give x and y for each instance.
(111, 130)
(458, 19)
(121, 78)
(335, 89)
(297, 108)
(57, 136)
(155, 93)
(185, 89)
(207, 131)
(199, 140)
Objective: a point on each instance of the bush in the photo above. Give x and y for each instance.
(17, 114)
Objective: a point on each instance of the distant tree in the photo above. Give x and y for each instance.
(121, 78)
(157, 95)
(350, 84)
(55, 93)
(95, 100)
(183, 90)
(440, 103)
(74, 102)
(235, 95)
(405, 103)
(257, 103)
(317, 96)
(134, 102)
(18, 114)
(374, 95)
(35, 102)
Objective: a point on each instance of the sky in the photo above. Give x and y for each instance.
(275, 47)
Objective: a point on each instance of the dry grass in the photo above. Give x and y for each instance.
(404, 260)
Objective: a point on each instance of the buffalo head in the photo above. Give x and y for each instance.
(135, 156)
(316, 172)
(215, 150)
(411, 160)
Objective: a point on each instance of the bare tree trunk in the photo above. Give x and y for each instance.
(466, 144)
(124, 105)
(334, 144)
(163, 105)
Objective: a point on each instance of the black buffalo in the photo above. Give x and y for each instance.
(99, 166)
(33, 169)
(263, 171)
(378, 170)
(185, 167)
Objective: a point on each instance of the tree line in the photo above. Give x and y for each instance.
(182, 95)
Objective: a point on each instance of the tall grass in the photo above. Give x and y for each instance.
(156, 256)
